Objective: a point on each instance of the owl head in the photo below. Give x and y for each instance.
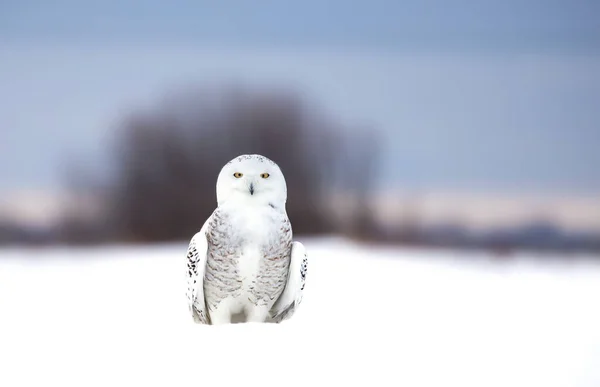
(251, 180)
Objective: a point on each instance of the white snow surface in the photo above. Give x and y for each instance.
(371, 315)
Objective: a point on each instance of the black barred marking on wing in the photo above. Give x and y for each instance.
(192, 260)
(303, 269)
(192, 272)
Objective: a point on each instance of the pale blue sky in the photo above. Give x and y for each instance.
(387, 24)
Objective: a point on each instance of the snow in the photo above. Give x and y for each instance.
(117, 316)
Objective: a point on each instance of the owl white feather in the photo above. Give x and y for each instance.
(243, 266)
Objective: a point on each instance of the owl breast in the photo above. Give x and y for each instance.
(248, 257)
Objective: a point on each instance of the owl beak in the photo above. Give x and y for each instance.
(251, 188)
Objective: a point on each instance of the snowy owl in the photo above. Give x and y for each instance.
(242, 266)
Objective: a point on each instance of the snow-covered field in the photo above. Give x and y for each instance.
(371, 315)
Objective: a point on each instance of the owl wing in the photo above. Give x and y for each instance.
(196, 266)
(291, 297)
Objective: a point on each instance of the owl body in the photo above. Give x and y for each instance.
(243, 264)
(248, 261)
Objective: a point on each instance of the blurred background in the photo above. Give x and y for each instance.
(456, 124)
(443, 165)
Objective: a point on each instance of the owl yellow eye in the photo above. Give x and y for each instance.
(265, 175)
(237, 175)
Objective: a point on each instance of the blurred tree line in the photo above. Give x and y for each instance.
(166, 161)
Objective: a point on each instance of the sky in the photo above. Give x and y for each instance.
(386, 24)
(467, 94)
